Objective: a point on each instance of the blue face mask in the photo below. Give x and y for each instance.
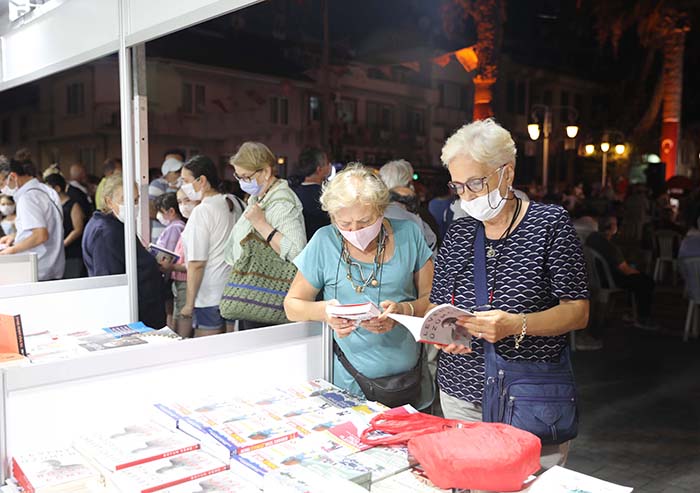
(251, 187)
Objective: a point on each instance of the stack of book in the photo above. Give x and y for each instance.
(55, 471)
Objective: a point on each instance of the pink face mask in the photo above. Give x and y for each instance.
(363, 237)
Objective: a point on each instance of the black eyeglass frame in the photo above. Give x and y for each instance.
(459, 187)
(246, 179)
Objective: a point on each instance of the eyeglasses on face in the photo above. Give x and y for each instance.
(245, 179)
(474, 185)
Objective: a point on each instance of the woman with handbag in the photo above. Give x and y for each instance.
(263, 243)
(362, 256)
(204, 241)
(519, 266)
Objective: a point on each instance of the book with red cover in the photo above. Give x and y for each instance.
(55, 470)
(11, 335)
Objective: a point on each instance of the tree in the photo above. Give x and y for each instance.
(488, 17)
(661, 27)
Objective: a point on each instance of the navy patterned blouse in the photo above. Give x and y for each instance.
(538, 264)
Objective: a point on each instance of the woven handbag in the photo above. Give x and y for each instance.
(258, 283)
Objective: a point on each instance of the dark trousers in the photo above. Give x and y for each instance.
(642, 286)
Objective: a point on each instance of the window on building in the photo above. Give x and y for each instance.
(194, 98)
(75, 98)
(279, 111)
(453, 95)
(86, 157)
(347, 110)
(416, 121)
(6, 131)
(380, 116)
(314, 109)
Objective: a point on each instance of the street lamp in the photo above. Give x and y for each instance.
(533, 129)
(605, 147)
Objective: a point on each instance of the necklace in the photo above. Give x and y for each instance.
(374, 277)
(490, 250)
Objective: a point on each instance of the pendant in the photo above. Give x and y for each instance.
(348, 277)
(359, 289)
(490, 251)
(375, 283)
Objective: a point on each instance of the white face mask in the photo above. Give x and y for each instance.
(186, 210)
(7, 209)
(121, 212)
(7, 190)
(487, 206)
(161, 219)
(191, 193)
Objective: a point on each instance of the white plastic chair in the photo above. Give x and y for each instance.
(599, 275)
(665, 242)
(690, 269)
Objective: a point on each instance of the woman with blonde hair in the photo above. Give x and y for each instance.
(274, 211)
(103, 253)
(362, 256)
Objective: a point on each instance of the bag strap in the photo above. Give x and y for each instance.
(480, 279)
(397, 429)
(344, 361)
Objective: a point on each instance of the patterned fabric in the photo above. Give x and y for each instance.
(540, 263)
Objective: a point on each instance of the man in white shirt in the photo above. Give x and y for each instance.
(39, 220)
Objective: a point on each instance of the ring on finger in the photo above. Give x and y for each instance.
(479, 336)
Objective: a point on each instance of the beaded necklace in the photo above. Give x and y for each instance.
(375, 276)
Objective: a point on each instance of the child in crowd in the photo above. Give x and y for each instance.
(169, 216)
(7, 213)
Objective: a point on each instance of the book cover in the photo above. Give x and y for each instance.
(102, 342)
(12, 335)
(53, 468)
(135, 328)
(170, 412)
(412, 480)
(130, 445)
(171, 471)
(224, 414)
(162, 254)
(44, 346)
(562, 480)
(439, 326)
(385, 461)
(238, 437)
(341, 398)
(295, 407)
(311, 388)
(221, 482)
(319, 419)
(300, 480)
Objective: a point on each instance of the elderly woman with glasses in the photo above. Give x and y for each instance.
(361, 257)
(274, 210)
(536, 284)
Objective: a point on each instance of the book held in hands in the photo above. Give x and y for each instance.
(439, 326)
(163, 254)
(357, 311)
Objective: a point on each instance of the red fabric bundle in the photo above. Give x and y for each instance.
(460, 454)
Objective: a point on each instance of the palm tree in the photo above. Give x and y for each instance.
(662, 27)
(488, 17)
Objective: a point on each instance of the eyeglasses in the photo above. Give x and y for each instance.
(474, 185)
(245, 179)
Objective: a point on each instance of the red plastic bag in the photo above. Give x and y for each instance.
(403, 427)
(478, 456)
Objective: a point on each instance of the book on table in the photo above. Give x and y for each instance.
(121, 447)
(12, 335)
(438, 326)
(162, 254)
(52, 471)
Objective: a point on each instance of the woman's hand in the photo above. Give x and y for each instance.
(454, 348)
(383, 324)
(492, 325)
(255, 215)
(186, 311)
(342, 326)
(166, 266)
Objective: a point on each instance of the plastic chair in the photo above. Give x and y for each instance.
(601, 282)
(666, 242)
(690, 269)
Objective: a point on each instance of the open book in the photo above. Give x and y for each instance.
(163, 254)
(357, 311)
(438, 326)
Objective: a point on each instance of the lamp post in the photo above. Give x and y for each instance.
(533, 129)
(605, 146)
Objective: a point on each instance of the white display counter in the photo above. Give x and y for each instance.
(46, 404)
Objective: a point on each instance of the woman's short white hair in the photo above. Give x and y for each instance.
(356, 184)
(397, 173)
(482, 141)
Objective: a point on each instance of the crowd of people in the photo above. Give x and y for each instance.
(358, 235)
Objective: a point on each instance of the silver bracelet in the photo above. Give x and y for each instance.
(519, 338)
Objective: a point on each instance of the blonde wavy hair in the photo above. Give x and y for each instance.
(253, 156)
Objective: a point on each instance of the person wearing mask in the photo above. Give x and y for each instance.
(204, 239)
(7, 212)
(39, 221)
(110, 167)
(364, 256)
(169, 181)
(273, 210)
(535, 282)
(73, 226)
(315, 168)
(168, 215)
(77, 188)
(104, 255)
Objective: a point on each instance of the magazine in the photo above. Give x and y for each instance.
(439, 326)
(162, 254)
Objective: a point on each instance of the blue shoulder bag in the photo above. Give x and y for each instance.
(535, 396)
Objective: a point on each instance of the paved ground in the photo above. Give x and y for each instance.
(640, 404)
